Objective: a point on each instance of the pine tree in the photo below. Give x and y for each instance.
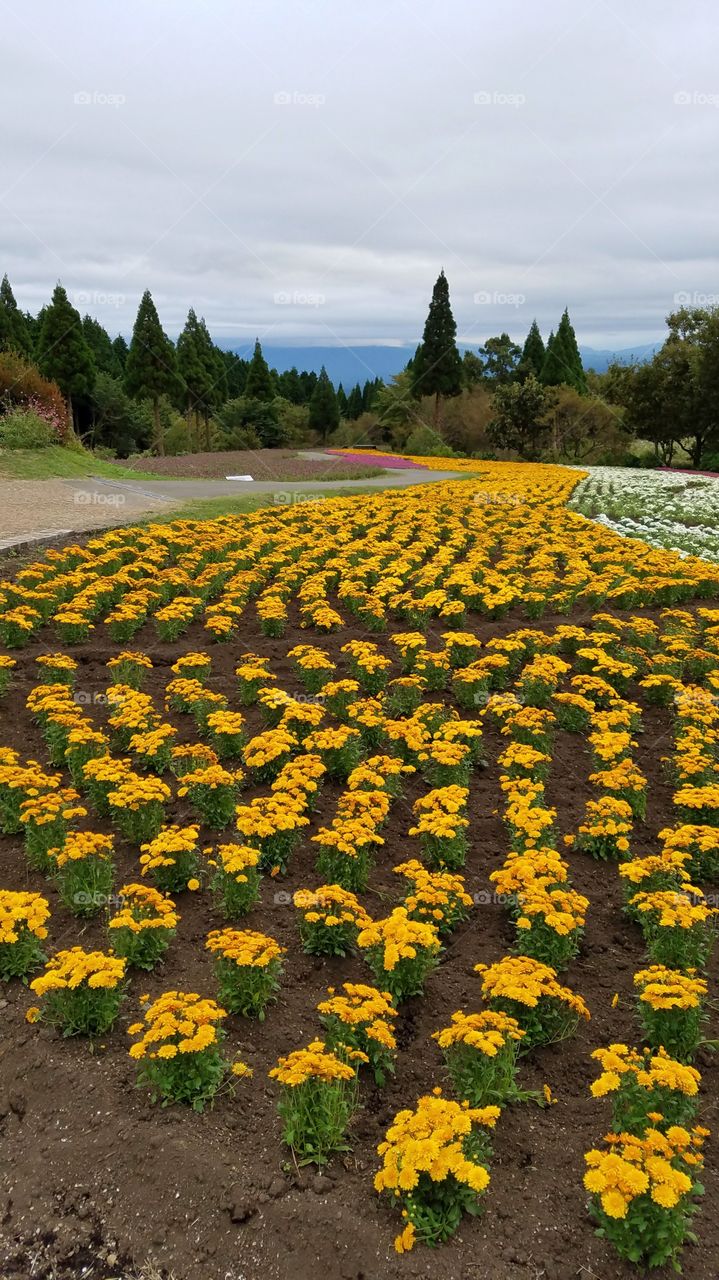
(290, 386)
(576, 376)
(151, 366)
(437, 367)
(342, 401)
(324, 410)
(202, 373)
(63, 354)
(15, 332)
(120, 348)
(259, 384)
(533, 352)
(354, 402)
(555, 366)
(103, 351)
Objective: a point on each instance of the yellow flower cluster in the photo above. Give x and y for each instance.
(650, 1165)
(313, 1063)
(20, 911)
(143, 909)
(176, 1023)
(487, 1032)
(68, 970)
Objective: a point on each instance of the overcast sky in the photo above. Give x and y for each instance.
(302, 169)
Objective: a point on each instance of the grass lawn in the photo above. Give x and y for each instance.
(212, 508)
(58, 463)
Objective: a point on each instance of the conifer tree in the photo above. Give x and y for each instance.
(63, 354)
(15, 332)
(533, 352)
(259, 384)
(151, 366)
(576, 378)
(437, 367)
(324, 409)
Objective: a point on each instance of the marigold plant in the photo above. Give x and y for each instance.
(178, 1046)
(361, 1018)
(85, 871)
(480, 1052)
(401, 952)
(643, 1192)
(23, 929)
(236, 879)
(172, 859)
(248, 967)
(80, 991)
(434, 1164)
(331, 918)
(647, 1088)
(528, 991)
(671, 1009)
(319, 1095)
(141, 931)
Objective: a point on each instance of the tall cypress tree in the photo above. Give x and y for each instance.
(324, 409)
(342, 401)
(354, 402)
(120, 348)
(554, 365)
(575, 369)
(15, 332)
(151, 366)
(63, 354)
(533, 352)
(196, 368)
(259, 384)
(437, 367)
(103, 351)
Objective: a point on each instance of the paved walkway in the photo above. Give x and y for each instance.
(36, 509)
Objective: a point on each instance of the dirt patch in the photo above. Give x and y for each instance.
(94, 1170)
(261, 464)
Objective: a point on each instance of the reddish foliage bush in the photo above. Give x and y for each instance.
(22, 386)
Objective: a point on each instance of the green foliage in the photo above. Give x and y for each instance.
(519, 421)
(533, 352)
(423, 442)
(500, 359)
(437, 366)
(15, 333)
(151, 369)
(63, 354)
(259, 384)
(23, 429)
(324, 410)
(119, 423)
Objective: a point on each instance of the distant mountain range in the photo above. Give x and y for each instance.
(357, 364)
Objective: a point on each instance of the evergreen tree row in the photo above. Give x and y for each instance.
(110, 386)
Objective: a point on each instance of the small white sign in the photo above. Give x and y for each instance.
(238, 477)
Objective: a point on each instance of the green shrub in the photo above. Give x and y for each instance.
(24, 429)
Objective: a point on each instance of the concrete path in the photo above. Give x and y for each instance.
(36, 509)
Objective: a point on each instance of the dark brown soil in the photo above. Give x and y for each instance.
(92, 1170)
(261, 464)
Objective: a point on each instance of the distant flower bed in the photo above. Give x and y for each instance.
(677, 510)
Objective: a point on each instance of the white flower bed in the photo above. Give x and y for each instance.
(664, 508)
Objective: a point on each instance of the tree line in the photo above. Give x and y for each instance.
(154, 392)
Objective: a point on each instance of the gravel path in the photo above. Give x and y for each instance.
(32, 509)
